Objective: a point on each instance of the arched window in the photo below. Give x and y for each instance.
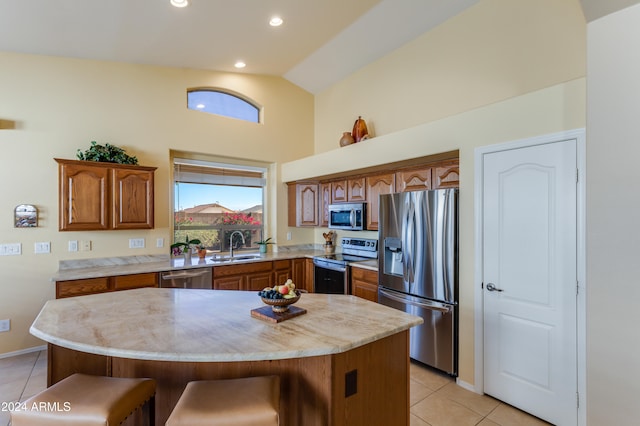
(216, 101)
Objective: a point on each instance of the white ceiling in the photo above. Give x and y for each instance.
(320, 42)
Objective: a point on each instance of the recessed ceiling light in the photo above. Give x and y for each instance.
(276, 21)
(180, 3)
(240, 64)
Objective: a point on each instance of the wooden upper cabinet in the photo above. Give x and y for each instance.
(325, 200)
(339, 191)
(376, 185)
(303, 204)
(446, 175)
(132, 199)
(413, 180)
(356, 190)
(101, 196)
(84, 196)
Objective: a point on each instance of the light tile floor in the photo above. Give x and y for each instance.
(435, 398)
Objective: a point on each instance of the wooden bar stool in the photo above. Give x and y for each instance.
(250, 401)
(86, 400)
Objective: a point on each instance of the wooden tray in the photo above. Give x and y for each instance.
(267, 314)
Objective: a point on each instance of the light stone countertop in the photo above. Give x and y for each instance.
(212, 325)
(126, 265)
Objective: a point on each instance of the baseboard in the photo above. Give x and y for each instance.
(23, 351)
(467, 386)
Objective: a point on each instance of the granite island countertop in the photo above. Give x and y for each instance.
(212, 326)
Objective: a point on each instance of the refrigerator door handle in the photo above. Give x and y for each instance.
(433, 306)
(405, 251)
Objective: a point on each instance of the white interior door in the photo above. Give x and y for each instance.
(530, 279)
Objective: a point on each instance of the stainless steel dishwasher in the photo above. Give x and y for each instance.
(187, 278)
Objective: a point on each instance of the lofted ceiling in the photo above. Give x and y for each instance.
(320, 42)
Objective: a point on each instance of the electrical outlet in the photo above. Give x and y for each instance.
(42, 247)
(160, 242)
(10, 249)
(289, 236)
(136, 242)
(5, 325)
(85, 245)
(73, 245)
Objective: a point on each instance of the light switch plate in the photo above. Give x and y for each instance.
(160, 242)
(136, 242)
(85, 245)
(10, 249)
(42, 247)
(73, 245)
(5, 325)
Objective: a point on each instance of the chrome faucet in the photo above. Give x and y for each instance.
(231, 241)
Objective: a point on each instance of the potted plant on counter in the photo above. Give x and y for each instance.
(263, 245)
(178, 248)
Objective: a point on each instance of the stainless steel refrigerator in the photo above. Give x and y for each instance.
(418, 270)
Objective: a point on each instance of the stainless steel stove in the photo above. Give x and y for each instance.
(331, 274)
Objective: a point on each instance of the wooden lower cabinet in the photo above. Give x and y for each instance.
(105, 284)
(308, 275)
(282, 272)
(247, 276)
(364, 283)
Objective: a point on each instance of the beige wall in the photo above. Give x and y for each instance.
(60, 105)
(613, 209)
(500, 71)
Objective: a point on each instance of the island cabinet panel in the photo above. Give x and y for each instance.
(446, 175)
(105, 284)
(377, 185)
(364, 283)
(132, 199)
(63, 362)
(303, 204)
(413, 180)
(356, 190)
(97, 196)
(325, 200)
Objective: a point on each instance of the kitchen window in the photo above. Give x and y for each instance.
(219, 102)
(213, 200)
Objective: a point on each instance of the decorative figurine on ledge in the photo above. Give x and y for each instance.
(329, 248)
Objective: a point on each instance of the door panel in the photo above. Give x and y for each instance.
(529, 267)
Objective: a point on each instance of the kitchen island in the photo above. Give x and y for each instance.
(344, 362)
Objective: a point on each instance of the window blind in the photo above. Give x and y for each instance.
(198, 171)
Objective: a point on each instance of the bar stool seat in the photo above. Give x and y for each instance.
(250, 401)
(81, 399)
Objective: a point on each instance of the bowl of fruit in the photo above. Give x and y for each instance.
(280, 296)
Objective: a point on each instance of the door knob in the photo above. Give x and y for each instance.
(492, 287)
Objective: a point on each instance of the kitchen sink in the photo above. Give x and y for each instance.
(235, 258)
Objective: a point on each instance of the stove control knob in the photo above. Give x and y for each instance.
(345, 241)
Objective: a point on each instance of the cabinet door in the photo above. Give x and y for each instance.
(339, 191)
(376, 185)
(325, 200)
(257, 281)
(298, 273)
(308, 275)
(132, 199)
(356, 190)
(303, 204)
(281, 272)
(124, 282)
(81, 287)
(446, 175)
(84, 194)
(364, 283)
(229, 283)
(413, 180)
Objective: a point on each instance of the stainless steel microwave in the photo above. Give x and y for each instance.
(349, 216)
